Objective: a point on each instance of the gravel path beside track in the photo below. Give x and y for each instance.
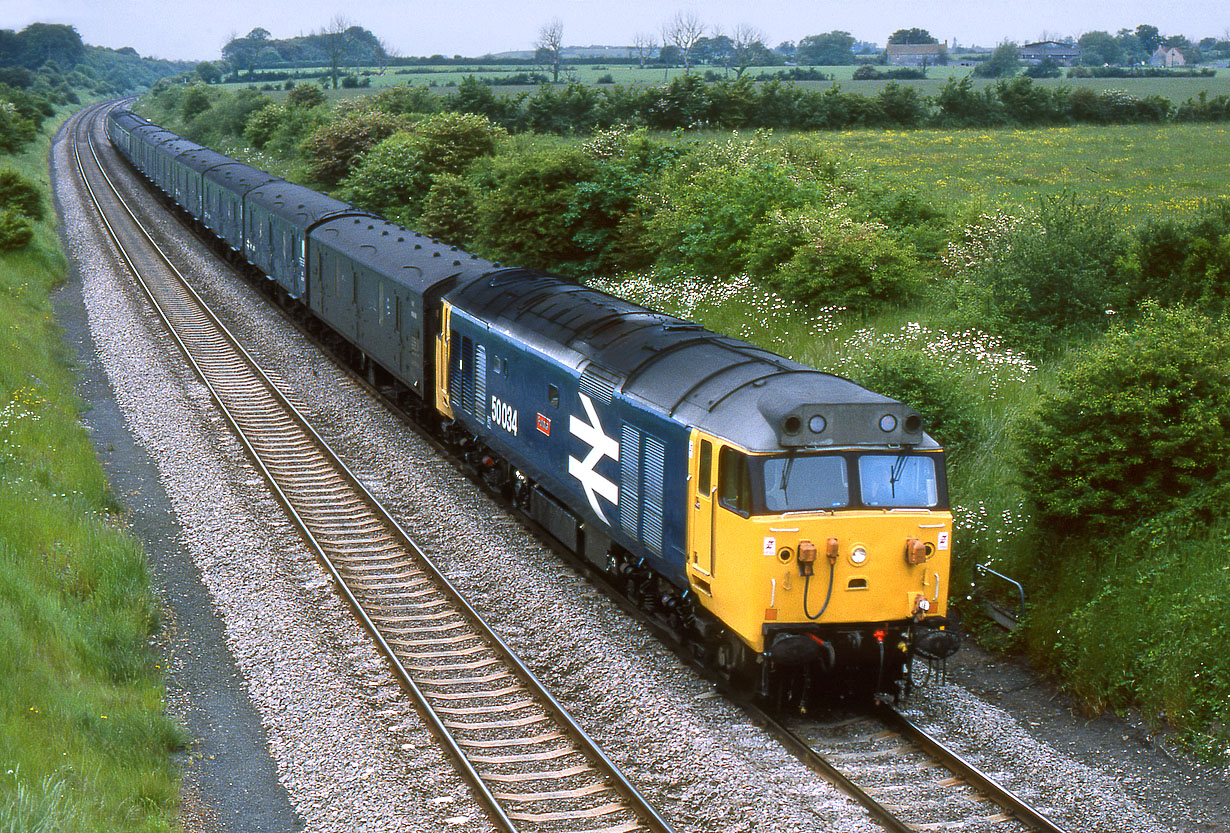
(350, 752)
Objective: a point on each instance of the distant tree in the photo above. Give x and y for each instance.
(208, 72)
(1149, 38)
(305, 96)
(786, 48)
(1133, 52)
(1098, 48)
(336, 39)
(1004, 61)
(748, 48)
(43, 43)
(643, 45)
(550, 46)
(911, 36)
(830, 49)
(683, 31)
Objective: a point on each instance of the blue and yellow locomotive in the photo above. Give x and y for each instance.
(783, 522)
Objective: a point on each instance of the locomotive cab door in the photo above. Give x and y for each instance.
(704, 487)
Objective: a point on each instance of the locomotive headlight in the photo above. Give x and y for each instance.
(858, 556)
(888, 423)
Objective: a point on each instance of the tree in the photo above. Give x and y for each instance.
(550, 45)
(911, 36)
(643, 45)
(1004, 61)
(830, 49)
(207, 71)
(336, 39)
(683, 31)
(1149, 38)
(748, 47)
(1098, 48)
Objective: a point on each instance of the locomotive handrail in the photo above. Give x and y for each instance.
(984, 569)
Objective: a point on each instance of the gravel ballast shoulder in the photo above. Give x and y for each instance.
(349, 751)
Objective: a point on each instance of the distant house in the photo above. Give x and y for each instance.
(916, 54)
(1064, 54)
(1167, 57)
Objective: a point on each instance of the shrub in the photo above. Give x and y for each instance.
(336, 147)
(196, 101)
(1173, 261)
(449, 210)
(259, 128)
(935, 388)
(20, 195)
(16, 231)
(305, 96)
(1042, 282)
(1138, 423)
(396, 175)
(845, 262)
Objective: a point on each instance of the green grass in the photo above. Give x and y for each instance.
(1150, 170)
(446, 77)
(84, 741)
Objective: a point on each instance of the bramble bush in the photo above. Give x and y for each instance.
(16, 231)
(1177, 261)
(334, 149)
(1042, 281)
(395, 177)
(1139, 422)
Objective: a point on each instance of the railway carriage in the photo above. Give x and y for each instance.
(788, 524)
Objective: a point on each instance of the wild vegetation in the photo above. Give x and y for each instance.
(83, 735)
(1067, 349)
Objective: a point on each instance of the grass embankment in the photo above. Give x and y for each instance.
(84, 742)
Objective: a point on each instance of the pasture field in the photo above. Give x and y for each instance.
(1147, 170)
(444, 77)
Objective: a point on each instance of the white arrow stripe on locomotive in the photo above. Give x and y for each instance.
(600, 445)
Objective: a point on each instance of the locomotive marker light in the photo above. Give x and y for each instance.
(858, 556)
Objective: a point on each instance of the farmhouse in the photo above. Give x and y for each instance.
(917, 54)
(1167, 57)
(1064, 54)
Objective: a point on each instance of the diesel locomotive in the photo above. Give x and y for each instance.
(789, 526)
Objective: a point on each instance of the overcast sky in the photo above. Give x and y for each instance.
(197, 29)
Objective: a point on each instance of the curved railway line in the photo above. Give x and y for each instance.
(527, 761)
(529, 764)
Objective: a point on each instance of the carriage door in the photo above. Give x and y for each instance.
(703, 489)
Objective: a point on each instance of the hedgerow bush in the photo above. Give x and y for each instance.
(19, 194)
(1042, 280)
(16, 230)
(845, 262)
(1139, 422)
(395, 177)
(1176, 261)
(335, 148)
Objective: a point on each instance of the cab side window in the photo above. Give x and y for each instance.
(704, 480)
(734, 485)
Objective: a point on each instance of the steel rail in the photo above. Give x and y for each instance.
(1001, 795)
(638, 805)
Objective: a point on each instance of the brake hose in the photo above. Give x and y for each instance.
(828, 597)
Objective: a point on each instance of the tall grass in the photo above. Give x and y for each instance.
(84, 741)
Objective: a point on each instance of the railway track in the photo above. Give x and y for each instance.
(906, 780)
(528, 763)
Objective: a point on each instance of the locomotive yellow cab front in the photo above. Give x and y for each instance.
(830, 556)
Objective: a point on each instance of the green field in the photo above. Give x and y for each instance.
(1149, 170)
(445, 77)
